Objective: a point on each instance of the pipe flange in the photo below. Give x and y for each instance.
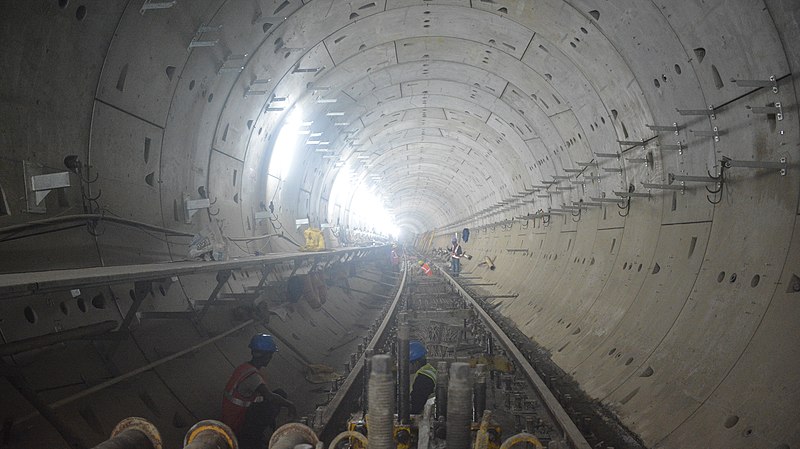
(290, 435)
(210, 425)
(349, 434)
(142, 425)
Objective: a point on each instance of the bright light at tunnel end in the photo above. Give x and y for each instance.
(367, 209)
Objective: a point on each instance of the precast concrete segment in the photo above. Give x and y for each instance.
(381, 403)
(459, 406)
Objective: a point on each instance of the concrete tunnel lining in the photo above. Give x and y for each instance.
(509, 93)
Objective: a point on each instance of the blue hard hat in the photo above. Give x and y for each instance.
(263, 343)
(416, 350)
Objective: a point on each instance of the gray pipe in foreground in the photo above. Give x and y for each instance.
(459, 406)
(441, 389)
(403, 371)
(381, 403)
(479, 391)
(133, 433)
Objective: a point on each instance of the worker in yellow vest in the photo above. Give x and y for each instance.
(423, 381)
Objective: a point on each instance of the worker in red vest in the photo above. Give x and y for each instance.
(249, 408)
(425, 268)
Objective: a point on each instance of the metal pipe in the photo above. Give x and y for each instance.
(210, 434)
(381, 404)
(479, 389)
(365, 384)
(133, 433)
(403, 371)
(459, 413)
(41, 341)
(441, 389)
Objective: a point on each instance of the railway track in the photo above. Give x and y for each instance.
(519, 405)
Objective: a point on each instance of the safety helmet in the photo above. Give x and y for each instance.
(416, 350)
(454, 240)
(421, 263)
(263, 343)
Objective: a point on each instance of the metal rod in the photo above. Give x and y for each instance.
(136, 372)
(685, 178)
(25, 390)
(41, 341)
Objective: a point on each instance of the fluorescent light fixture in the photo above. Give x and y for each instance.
(341, 124)
(326, 100)
(312, 142)
(322, 150)
(303, 131)
(316, 134)
(329, 156)
(335, 114)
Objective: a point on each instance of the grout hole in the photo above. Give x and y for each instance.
(80, 13)
(754, 282)
(31, 315)
(595, 13)
(732, 279)
(677, 69)
(99, 301)
(731, 421)
(721, 276)
(64, 308)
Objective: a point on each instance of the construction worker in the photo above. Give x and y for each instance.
(395, 258)
(455, 257)
(423, 381)
(249, 408)
(425, 268)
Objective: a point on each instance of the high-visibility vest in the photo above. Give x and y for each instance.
(234, 403)
(428, 371)
(457, 252)
(426, 269)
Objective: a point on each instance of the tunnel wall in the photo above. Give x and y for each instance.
(687, 355)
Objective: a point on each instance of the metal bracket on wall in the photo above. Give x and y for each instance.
(714, 133)
(150, 5)
(781, 165)
(190, 207)
(776, 110)
(709, 112)
(681, 187)
(675, 128)
(233, 63)
(38, 185)
(201, 30)
(718, 181)
(679, 147)
(772, 82)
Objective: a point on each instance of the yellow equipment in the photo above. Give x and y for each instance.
(314, 240)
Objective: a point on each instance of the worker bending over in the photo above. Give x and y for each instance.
(425, 268)
(249, 408)
(423, 382)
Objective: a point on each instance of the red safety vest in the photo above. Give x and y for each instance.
(456, 254)
(234, 404)
(426, 269)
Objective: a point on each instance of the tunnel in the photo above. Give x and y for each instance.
(626, 171)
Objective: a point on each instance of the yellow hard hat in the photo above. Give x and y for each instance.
(421, 263)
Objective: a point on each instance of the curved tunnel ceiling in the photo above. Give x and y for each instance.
(460, 114)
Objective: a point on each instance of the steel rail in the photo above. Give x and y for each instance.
(557, 412)
(356, 370)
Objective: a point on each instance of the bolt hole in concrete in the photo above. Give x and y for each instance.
(732, 278)
(747, 432)
(640, 268)
(677, 69)
(754, 282)
(81, 304)
(191, 84)
(731, 421)
(656, 82)
(31, 315)
(64, 308)
(63, 4)
(647, 372)
(80, 13)
(99, 301)
(629, 361)
(656, 268)
(612, 351)
(721, 276)
(210, 97)
(162, 291)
